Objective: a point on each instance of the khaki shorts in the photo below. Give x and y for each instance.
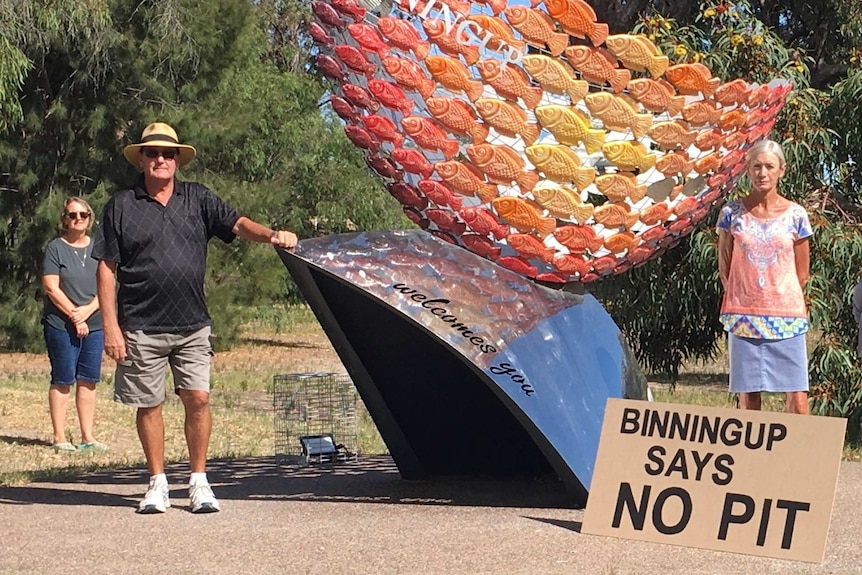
(140, 379)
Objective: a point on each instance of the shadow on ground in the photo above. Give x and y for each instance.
(367, 480)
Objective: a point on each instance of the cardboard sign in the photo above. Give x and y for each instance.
(751, 482)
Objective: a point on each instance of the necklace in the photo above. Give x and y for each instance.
(80, 257)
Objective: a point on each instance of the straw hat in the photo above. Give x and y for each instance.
(159, 135)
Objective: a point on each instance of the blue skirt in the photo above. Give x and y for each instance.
(779, 365)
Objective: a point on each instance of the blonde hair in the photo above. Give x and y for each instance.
(75, 200)
(768, 147)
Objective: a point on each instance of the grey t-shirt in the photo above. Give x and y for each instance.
(77, 271)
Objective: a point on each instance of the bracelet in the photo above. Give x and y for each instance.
(273, 233)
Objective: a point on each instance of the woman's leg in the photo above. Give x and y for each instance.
(749, 400)
(63, 356)
(58, 401)
(85, 402)
(796, 402)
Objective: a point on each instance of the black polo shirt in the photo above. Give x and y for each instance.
(161, 254)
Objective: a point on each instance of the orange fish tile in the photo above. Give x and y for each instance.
(629, 156)
(701, 113)
(570, 126)
(637, 53)
(445, 40)
(692, 79)
(409, 75)
(501, 32)
(404, 36)
(390, 95)
(597, 65)
(572, 264)
(412, 161)
(537, 28)
(529, 246)
(429, 137)
(563, 203)
(621, 186)
(618, 113)
(560, 164)
(510, 81)
(507, 118)
(684, 207)
(458, 117)
(732, 93)
(619, 243)
(577, 18)
(708, 163)
(496, 6)
(709, 140)
(655, 214)
(578, 239)
(732, 120)
(454, 76)
(465, 179)
(674, 163)
(656, 95)
(672, 135)
(615, 215)
(502, 165)
(384, 128)
(524, 215)
(555, 76)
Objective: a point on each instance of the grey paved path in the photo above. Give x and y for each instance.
(361, 518)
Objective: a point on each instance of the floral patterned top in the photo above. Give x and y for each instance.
(763, 299)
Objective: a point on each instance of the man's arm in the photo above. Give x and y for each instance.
(255, 232)
(115, 345)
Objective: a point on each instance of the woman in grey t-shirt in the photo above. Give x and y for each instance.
(72, 324)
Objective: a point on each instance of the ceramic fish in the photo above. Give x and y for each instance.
(414, 216)
(355, 59)
(621, 186)
(563, 203)
(672, 135)
(550, 277)
(629, 156)
(390, 95)
(383, 128)
(619, 243)
(359, 96)
(701, 113)
(344, 109)
(637, 53)
(429, 137)
(570, 126)
(732, 120)
(537, 28)
(445, 221)
(330, 67)
(496, 6)
(361, 138)
(692, 79)
(560, 164)
(502, 165)
(484, 222)
(349, 8)
(640, 253)
(445, 236)
(319, 35)
(597, 65)
(708, 163)
(757, 97)
(655, 214)
(327, 14)
(572, 264)
(502, 33)
(578, 239)
(407, 195)
(603, 264)
(524, 215)
(732, 93)
(404, 36)
(709, 140)
(481, 245)
(656, 95)
(454, 76)
(439, 193)
(555, 76)
(577, 18)
(615, 215)
(465, 179)
(685, 207)
(446, 41)
(384, 166)
(618, 113)
(518, 265)
(529, 246)
(458, 116)
(510, 81)
(413, 162)
(369, 39)
(409, 75)
(507, 118)
(734, 141)
(653, 234)
(674, 163)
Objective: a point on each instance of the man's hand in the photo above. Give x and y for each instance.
(115, 345)
(283, 239)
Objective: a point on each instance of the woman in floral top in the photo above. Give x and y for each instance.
(763, 265)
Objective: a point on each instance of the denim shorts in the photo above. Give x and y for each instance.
(72, 358)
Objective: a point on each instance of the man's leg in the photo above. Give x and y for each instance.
(749, 400)
(151, 431)
(198, 426)
(797, 402)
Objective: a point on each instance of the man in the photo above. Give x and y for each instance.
(154, 237)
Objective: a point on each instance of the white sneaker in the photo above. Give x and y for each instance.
(202, 499)
(156, 500)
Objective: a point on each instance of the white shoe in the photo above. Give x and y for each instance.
(202, 499)
(157, 499)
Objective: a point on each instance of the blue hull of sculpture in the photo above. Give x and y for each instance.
(466, 367)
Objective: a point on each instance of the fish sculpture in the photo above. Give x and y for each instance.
(560, 164)
(439, 193)
(446, 221)
(496, 6)
(621, 242)
(692, 79)
(502, 165)
(447, 43)
(390, 95)
(359, 96)
(510, 81)
(384, 166)
(412, 161)
(537, 28)
(404, 36)
(563, 203)
(327, 14)
(732, 120)
(629, 156)
(572, 264)
(369, 39)
(577, 18)
(518, 265)
(732, 93)
(407, 195)
(615, 215)
(529, 246)
(674, 163)
(320, 36)
(484, 222)
(355, 59)
(361, 138)
(621, 186)
(618, 113)
(672, 135)
(466, 180)
(416, 217)
(656, 95)
(454, 76)
(555, 76)
(330, 67)
(578, 239)
(507, 118)
(349, 8)
(501, 33)
(524, 215)
(655, 214)
(637, 53)
(701, 113)
(458, 117)
(344, 109)
(570, 126)
(597, 65)
(409, 75)
(429, 137)
(708, 163)
(709, 140)
(481, 245)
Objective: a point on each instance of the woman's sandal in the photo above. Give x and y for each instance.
(64, 446)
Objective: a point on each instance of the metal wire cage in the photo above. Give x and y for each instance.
(315, 417)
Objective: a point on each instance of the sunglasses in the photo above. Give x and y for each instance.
(78, 215)
(153, 153)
